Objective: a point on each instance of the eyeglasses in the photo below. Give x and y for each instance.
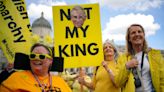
(33, 56)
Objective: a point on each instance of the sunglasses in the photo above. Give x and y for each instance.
(39, 56)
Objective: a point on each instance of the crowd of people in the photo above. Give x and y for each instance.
(139, 69)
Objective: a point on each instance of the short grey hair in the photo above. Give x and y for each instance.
(79, 9)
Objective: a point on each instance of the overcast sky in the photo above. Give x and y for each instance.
(116, 16)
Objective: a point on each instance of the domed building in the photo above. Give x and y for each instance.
(41, 27)
(41, 30)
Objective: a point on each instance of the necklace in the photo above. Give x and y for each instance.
(43, 86)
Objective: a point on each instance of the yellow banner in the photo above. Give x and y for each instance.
(15, 30)
(77, 35)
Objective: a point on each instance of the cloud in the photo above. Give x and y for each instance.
(51, 2)
(116, 27)
(146, 4)
(141, 5)
(35, 9)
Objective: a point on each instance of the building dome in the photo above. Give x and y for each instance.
(41, 22)
(41, 27)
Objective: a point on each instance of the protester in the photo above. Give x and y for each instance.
(68, 77)
(6, 72)
(76, 87)
(140, 69)
(38, 78)
(78, 16)
(103, 79)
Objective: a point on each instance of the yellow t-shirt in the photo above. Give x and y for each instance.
(102, 81)
(24, 81)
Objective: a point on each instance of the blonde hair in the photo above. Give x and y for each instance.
(129, 48)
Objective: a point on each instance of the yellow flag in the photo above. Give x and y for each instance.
(77, 35)
(15, 30)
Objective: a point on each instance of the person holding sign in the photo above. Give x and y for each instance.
(103, 79)
(78, 16)
(140, 69)
(38, 78)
